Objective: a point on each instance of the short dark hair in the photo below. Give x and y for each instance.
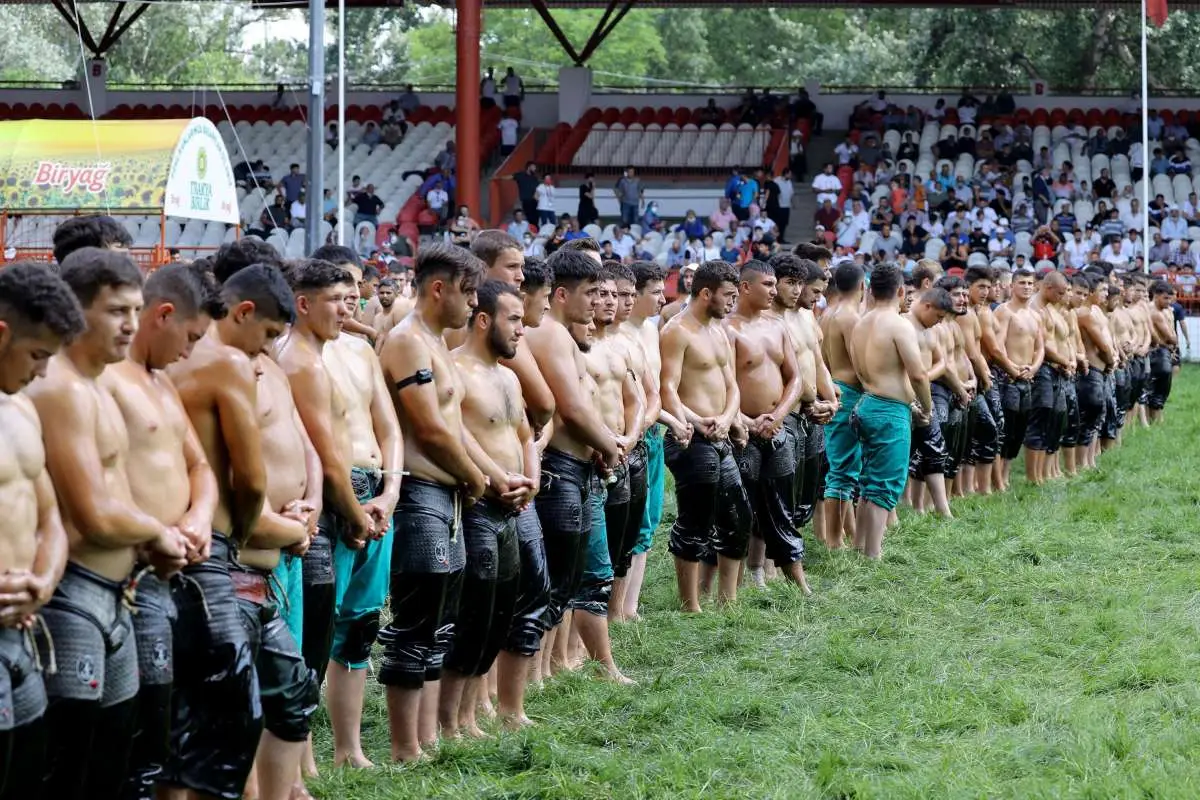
(91, 230)
(450, 262)
(812, 251)
(950, 283)
(616, 271)
(584, 244)
(886, 278)
(238, 255)
(1161, 287)
(266, 287)
(212, 303)
(489, 244)
(849, 276)
(536, 273)
(315, 274)
(1024, 273)
(387, 283)
(177, 284)
(974, 275)
(711, 274)
(939, 298)
(922, 273)
(336, 254)
(31, 296)
(1080, 281)
(489, 294)
(812, 271)
(788, 265)
(572, 267)
(90, 269)
(754, 267)
(369, 273)
(646, 271)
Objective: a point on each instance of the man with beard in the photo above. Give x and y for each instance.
(170, 479)
(929, 451)
(1094, 385)
(953, 391)
(687, 274)
(1162, 331)
(92, 699)
(700, 387)
(428, 553)
(888, 361)
(38, 315)
(393, 307)
(769, 387)
(982, 433)
(500, 442)
(1019, 351)
(579, 435)
(268, 499)
(621, 403)
(843, 449)
(1047, 416)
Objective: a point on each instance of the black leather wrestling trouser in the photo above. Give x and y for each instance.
(320, 596)
(768, 467)
(216, 711)
(808, 483)
(1116, 398)
(1158, 386)
(287, 685)
(714, 516)
(428, 557)
(566, 516)
(928, 456)
(22, 715)
(1072, 421)
(1092, 391)
(624, 508)
(1138, 370)
(92, 711)
(533, 587)
(1048, 411)
(489, 587)
(953, 419)
(985, 430)
(1016, 399)
(153, 619)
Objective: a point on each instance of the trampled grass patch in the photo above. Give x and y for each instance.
(1043, 644)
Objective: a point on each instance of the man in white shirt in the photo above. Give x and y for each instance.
(1173, 226)
(764, 223)
(487, 89)
(1132, 243)
(438, 201)
(846, 152)
(827, 186)
(514, 89)
(1116, 252)
(509, 128)
(622, 243)
(848, 233)
(545, 201)
(861, 218)
(1076, 250)
(999, 245)
(519, 225)
(299, 211)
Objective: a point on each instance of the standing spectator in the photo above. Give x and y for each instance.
(438, 201)
(369, 206)
(519, 225)
(299, 211)
(292, 183)
(514, 89)
(651, 221)
(329, 208)
(1076, 250)
(827, 186)
(804, 108)
(527, 183)
(796, 156)
(331, 135)
(847, 153)
(587, 213)
(779, 201)
(487, 90)
(545, 201)
(408, 100)
(447, 160)
(747, 195)
(533, 247)
(509, 128)
(629, 194)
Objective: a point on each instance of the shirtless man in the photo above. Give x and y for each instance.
(982, 433)
(240, 406)
(392, 308)
(91, 716)
(929, 448)
(842, 446)
(699, 385)
(1094, 385)
(955, 389)
(1121, 329)
(888, 361)
(818, 398)
(769, 387)
(38, 315)
(621, 402)
(579, 437)
(1047, 416)
(428, 553)
(1074, 453)
(1163, 337)
(361, 573)
(90, 230)
(1138, 303)
(366, 278)
(642, 332)
(687, 274)
(1019, 352)
(170, 480)
(988, 441)
(500, 442)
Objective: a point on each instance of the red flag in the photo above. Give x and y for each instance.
(1157, 11)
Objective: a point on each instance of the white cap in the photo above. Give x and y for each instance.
(688, 268)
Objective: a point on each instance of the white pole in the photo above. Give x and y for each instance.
(1145, 147)
(341, 181)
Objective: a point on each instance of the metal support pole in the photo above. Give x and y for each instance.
(316, 125)
(341, 178)
(467, 105)
(1146, 237)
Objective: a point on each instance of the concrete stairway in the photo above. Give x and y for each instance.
(804, 202)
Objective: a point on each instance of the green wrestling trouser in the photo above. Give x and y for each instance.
(843, 448)
(884, 427)
(656, 474)
(289, 574)
(596, 587)
(361, 581)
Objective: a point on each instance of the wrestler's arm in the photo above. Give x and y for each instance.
(790, 370)
(196, 524)
(1050, 347)
(733, 394)
(1000, 349)
(359, 329)
(1089, 323)
(949, 375)
(236, 395)
(50, 559)
(391, 446)
(634, 402)
(1039, 350)
(969, 325)
(579, 417)
(937, 366)
(73, 462)
(531, 456)
(539, 400)
(314, 496)
(654, 409)
(910, 356)
(673, 345)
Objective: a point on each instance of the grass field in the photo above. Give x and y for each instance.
(1044, 644)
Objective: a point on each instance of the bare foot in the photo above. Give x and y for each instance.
(353, 760)
(408, 756)
(486, 708)
(804, 587)
(299, 792)
(473, 731)
(613, 674)
(514, 722)
(691, 609)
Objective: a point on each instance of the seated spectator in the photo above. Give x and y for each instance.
(849, 232)
(977, 239)
(462, 228)
(1065, 219)
(676, 255)
(622, 243)
(827, 216)
(865, 177)
(1159, 165)
(868, 153)
(708, 250)
(1112, 225)
(354, 188)
(299, 211)
(1103, 187)
(1063, 187)
(1134, 244)
(1000, 245)
(883, 216)
(1045, 244)
(729, 251)
(371, 136)
(1158, 209)
(408, 100)
(393, 132)
(826, 186)
(369, 206)
(329, 208)
(273, 216)
(1076, 250)
(645, 249)
(519, 225)
(691, 226)
(438, 201)
(913, 238)
(883, 172)
(938, 112)
(1160, 250)
(447, 159)
(651, 221)
(1191, 209)
(331, 135)
(400, 246)
(1179, 164)
(710, 114)
(723, 219)
(908, 148)
(534, 247)
(764, 223)
(606, 251)
(1185, 280)
(1116, 252)
(985, 148)
(888, 242)
(947, 147)
(847, 153)
(573, 229)
(1174, 226)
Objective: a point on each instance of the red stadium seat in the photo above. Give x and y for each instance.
(1040, 116)
(610, 117)
(1167, 116)
(629, 115)
(1057, 117)
(591, 116)
(1093, 117)
(1075, 116)
(682, 116)
(1111, 117)
(1022, 115)
(645, 116)
(664, 116)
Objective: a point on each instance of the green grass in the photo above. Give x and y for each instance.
(1044, 644)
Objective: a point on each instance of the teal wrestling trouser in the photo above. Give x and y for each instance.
(289, 574)
(596, 588)
(656, 475)
(842, 448)
(884, 427)
(361, 580)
